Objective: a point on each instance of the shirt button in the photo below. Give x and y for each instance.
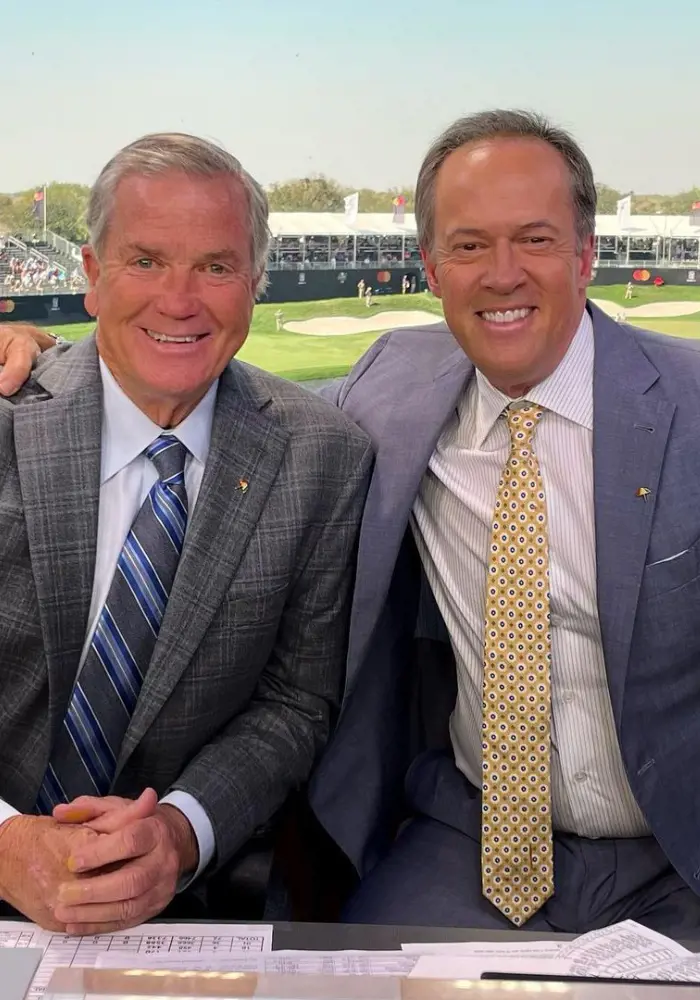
(567, 697)
(580, 776)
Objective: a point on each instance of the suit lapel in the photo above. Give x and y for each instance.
(408, 438)
(247, 445)
(632, 420)
(58, 445)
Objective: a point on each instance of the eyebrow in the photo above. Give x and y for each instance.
(210, 257)
(138, 248)
(214, 255)
(535, 224)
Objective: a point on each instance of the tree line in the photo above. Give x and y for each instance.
(66, 203)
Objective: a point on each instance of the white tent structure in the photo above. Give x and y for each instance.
(323, 239)
(650, 226)
(382, 224)
(334, 224)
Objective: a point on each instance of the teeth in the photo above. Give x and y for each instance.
(508, 316)
(162, 339)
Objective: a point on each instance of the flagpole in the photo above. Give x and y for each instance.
(44, 210)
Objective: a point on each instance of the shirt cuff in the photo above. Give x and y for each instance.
(200, 823)
(6, 811)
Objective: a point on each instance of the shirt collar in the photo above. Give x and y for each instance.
(127, 431)
(568, 391)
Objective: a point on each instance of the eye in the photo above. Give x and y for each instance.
(216, 268)
(144, 263)
(537, 240)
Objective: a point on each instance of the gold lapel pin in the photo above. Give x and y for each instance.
(242, 485)
(643, 492)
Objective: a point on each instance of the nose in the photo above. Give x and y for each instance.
(504, 272)
(178, 297)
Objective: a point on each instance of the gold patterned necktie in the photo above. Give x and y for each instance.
(516, 836)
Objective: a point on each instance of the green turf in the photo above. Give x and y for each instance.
(300, 357)
(676, 326)
(643, 294)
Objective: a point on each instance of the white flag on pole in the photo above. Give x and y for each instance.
(624, 212)
(352, 207)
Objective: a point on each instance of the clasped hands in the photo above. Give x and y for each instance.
(98, 864)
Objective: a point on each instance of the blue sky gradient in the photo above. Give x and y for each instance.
(355, 91)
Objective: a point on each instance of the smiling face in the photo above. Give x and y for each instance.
(506, 260)
(172, 288)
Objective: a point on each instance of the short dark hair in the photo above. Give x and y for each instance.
(505, 124)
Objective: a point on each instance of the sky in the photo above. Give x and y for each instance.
(355, 91)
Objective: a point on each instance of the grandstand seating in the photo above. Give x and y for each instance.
(52, 268)
(50, 252)
(8, 253)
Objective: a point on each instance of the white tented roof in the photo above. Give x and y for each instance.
(382, 224)
(677, 226)
(334, 224)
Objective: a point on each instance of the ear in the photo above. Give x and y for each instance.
(587, 257)
(431, 272)
(91, 266)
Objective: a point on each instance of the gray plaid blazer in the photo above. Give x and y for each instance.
(249, 663)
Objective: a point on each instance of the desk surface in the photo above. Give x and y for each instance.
(337, 937)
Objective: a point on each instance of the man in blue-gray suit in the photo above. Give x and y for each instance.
(518, 744)
(562, 793)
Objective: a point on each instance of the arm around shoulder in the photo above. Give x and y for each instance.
(20, 347)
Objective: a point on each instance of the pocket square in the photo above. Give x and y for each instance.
(668, 559)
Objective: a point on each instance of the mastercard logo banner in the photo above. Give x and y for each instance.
(7, 306)
(641, 275)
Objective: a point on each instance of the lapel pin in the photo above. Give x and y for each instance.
(643, 492)
(242, 485)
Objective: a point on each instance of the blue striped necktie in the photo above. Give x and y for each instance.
(84, 757)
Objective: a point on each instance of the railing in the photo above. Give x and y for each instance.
(352, 265)
(9, 291)
(62, 246)
(74, 288)
(636, 263)
(13, 241)
(28, 250)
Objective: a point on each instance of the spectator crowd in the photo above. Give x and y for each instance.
(27, 274)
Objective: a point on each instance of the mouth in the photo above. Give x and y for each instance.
(506, 318)
(163, 338)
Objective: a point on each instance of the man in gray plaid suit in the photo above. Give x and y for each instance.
(177, 538)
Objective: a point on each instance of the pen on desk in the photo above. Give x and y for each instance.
(550, 978)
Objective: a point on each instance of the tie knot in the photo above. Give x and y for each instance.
(522, 422)
(168, 455)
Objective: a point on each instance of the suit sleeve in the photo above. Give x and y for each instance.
(338, 390)
(51, 354)
(332, 391)
(244, 776)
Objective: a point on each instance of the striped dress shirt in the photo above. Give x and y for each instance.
(451, 522)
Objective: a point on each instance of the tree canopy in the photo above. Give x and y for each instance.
(66, 203)
(65, 211)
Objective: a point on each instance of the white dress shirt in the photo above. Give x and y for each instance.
(126, 478)
(451, 522)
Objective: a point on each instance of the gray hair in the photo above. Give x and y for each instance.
(165, 151)
(499, 124)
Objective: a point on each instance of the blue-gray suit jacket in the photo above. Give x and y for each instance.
(646, 434)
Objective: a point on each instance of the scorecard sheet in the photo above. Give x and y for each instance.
(148, 940)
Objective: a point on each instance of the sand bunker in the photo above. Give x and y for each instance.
(343, 326)
(650, 310)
